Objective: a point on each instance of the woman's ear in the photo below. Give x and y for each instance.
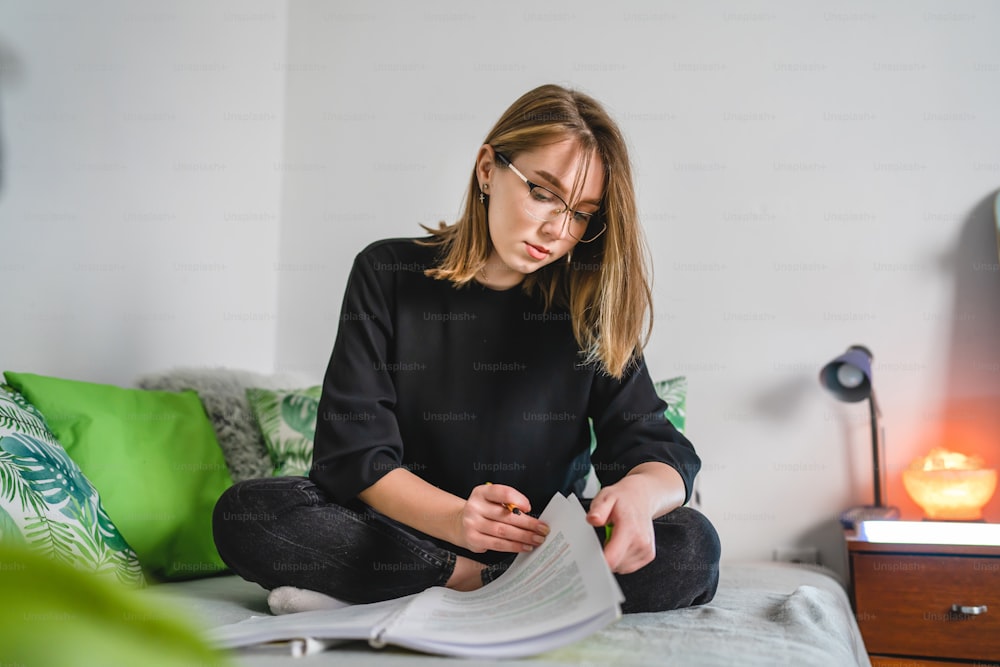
(485, 166)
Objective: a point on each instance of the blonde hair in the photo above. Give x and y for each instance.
(606, 287)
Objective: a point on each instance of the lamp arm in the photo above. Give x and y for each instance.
(876, 459)
(871, 396)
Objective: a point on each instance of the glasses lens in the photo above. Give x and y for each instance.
(588, 231)
(544, 206)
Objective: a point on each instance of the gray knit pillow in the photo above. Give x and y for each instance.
(223, 393)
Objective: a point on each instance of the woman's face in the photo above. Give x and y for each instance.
(522, 243)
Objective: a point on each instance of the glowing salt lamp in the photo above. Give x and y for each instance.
(950, 486)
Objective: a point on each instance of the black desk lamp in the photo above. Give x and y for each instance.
(849, 378)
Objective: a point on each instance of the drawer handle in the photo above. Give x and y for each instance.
(969, 610)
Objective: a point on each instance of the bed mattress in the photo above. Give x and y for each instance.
(763, 614)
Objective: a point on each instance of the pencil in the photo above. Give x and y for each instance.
(510, 507)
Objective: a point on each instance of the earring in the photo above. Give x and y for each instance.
(482, 198)
(569, 258)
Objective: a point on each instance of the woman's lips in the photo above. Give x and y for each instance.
(537, 252)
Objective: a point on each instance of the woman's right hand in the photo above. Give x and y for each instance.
(486, 523)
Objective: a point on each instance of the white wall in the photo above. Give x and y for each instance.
(809, 177)
(141, 148)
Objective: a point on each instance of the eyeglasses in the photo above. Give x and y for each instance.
(544, 205)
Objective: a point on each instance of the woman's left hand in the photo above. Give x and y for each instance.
(629, 506)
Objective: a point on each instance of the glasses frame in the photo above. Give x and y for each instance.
(565, 207)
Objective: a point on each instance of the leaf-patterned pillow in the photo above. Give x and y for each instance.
(674, 394)
(48, 504)
(287, 420)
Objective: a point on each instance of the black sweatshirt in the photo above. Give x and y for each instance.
(467, 385)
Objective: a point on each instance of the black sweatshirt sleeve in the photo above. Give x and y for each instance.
(632, 429)
(357, 437)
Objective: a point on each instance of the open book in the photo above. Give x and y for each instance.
(558, 593)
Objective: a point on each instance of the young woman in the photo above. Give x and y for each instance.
(465, 368)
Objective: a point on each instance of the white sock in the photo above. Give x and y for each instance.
(288, 600)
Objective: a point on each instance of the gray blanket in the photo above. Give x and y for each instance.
(764, 614)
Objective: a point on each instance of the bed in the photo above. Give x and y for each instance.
(764, 614)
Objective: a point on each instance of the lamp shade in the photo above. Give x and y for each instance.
(849, 376)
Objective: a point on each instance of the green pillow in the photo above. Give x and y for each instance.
(153, 457)
(287, 420)
(53, 614)
(46, 502)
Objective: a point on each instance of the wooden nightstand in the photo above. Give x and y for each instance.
(908, 599)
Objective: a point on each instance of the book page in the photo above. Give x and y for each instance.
(353, 622)
(562, 583)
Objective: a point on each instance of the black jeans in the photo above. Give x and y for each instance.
(282, 531)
